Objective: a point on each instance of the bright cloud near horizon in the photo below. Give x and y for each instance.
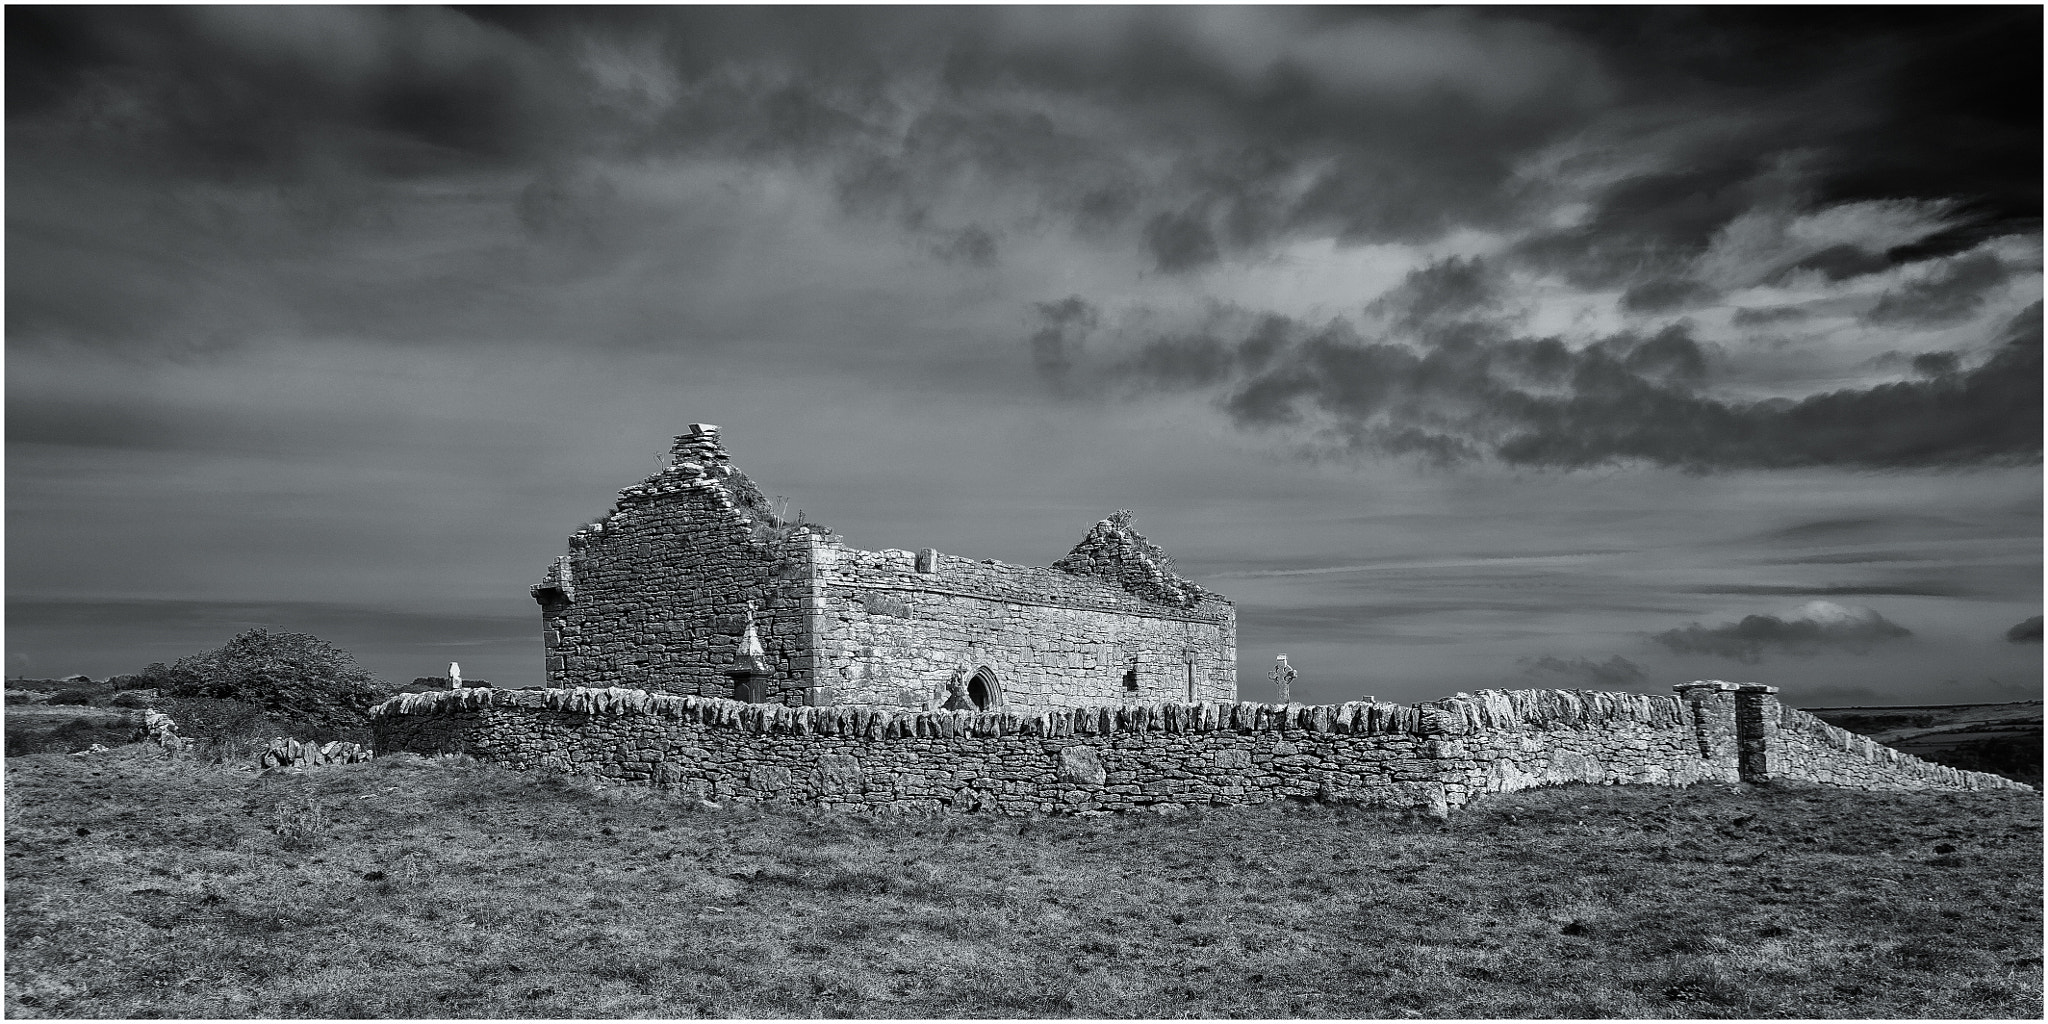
(1460, 347)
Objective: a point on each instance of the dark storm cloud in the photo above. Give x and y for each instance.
(1445, 291)
(2028, 632)
(1277, 120)
(31, 421)
(1652, 224)
(1955, 293)
(1760, 317)
(1865, 530)
(1195, 136)
(225, 92)
(1616, 671)
(973, 245)
(1180, 242)
(1867, 556)
(1463, 390)
(1284, 144)
(1936, 364)
(1906, 102)
(1816, 627)
(1904, 588)
(1826, 530)
(1056, 345)
(1837, 263)
(1664, 294)
(1258, 136)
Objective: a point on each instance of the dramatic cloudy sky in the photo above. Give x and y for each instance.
(1608, 348)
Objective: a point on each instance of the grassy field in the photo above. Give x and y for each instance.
(142, 887)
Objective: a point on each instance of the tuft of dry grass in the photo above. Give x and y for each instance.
(412, 887)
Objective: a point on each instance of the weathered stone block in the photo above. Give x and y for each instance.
(1081, 766)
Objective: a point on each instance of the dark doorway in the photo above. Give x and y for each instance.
(983, 689)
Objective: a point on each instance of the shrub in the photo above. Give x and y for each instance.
(71, 697)
(301, 822)
(231, 731)
(158, 676)
(293, 676)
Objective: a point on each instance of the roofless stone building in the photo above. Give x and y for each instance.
(694, 585)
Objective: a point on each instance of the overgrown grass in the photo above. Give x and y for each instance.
(140, 886)
(61, 729)
(221, 730)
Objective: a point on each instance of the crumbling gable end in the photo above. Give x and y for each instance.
(1115, 552)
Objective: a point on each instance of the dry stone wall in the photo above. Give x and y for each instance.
(1814, 751)
(1438, 755)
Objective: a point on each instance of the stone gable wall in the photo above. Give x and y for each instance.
(1439, 755)
(653, 596)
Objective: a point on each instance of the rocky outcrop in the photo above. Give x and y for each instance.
(290, 753)
(157, 728)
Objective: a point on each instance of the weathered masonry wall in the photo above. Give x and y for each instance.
(653, 596)
(899, 625)
(1439, 754)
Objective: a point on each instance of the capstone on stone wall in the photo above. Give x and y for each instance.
(1439, 755)
(654, 596)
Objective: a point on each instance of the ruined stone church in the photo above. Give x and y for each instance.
(693, 584)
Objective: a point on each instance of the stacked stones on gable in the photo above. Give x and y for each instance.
(700, 452)
(1115, 552)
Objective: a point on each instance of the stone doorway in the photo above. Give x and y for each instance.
(983, 689)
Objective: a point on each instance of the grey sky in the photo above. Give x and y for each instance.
(1460, 348)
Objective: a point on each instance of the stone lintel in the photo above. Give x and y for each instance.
(1707, 684)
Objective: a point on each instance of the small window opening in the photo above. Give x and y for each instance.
(1131, 679)
(1191, 682)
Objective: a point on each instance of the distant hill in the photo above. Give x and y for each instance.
(2004, 739)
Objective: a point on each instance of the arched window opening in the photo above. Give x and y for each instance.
(983, 689)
